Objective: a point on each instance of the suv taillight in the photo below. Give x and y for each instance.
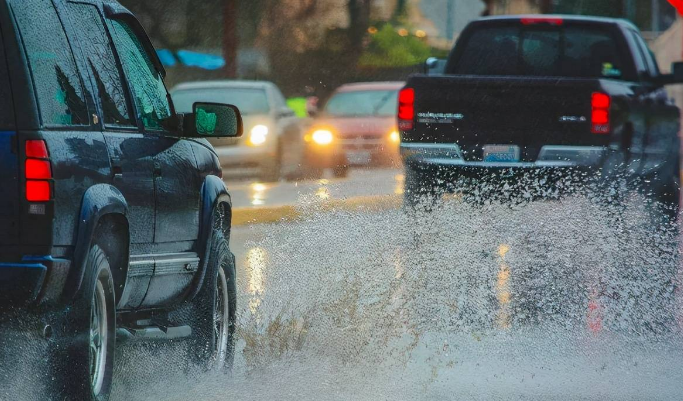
(600, 114)
(38, 172)
(406, 109)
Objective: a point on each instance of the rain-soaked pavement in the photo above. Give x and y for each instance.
(361, 182)
(546, 300)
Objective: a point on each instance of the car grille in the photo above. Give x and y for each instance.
(362, 142)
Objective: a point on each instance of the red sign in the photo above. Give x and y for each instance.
(678, 4)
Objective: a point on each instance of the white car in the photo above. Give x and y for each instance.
(273, 144)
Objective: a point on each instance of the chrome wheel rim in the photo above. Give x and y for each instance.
(98, 338)
(220, 318)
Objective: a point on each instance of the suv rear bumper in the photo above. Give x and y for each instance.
(550, 156)
(33, 279)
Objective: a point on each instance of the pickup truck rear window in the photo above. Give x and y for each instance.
(577, 52)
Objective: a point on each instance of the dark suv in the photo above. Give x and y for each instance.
(115, 220)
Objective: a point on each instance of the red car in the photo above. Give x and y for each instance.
(361, 120)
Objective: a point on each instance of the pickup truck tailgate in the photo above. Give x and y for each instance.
(474, 111)
(9, 189)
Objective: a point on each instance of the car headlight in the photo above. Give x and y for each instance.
(258, 135)
(323, 137)
(394, 137)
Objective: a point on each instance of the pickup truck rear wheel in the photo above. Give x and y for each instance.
(85, 365)
(212, 313)
(420, 189)
(670, 196)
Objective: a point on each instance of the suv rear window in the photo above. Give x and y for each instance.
(6, 101)
(57, 83)
(572, 51)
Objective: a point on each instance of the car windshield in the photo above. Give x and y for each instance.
(363, 104)
(374, 200)
(249, 101)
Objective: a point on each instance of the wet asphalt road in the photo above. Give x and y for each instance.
(545, 300)
(362, 182)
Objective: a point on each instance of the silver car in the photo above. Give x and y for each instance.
(272, 146)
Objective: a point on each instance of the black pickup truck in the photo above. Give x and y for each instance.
(541, 94)
(114, 219)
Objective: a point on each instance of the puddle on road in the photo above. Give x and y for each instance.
(544, 300)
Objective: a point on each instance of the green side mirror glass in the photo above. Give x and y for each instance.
(217, 120)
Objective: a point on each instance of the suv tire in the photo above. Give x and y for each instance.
(86, 362)
(212, 313)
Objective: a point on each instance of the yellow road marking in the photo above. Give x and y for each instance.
(262, 215)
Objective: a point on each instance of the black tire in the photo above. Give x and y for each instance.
(212, 344)
(341, 171)
(670, 194)
(312, 173)
(271, 171)
(420, 190)
(85, 361)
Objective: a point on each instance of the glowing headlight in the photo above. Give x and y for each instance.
(258, 135)
(323, 137)
(395, 137)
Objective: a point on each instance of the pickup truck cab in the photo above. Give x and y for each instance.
(541, 94)
(114, 219)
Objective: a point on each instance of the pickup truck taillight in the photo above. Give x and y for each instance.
(38, 172)
(406, 109)
(600, 114)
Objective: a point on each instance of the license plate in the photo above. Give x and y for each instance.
(359, 157)
(501, 153)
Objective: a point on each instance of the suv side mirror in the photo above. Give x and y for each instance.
(435, 66)
(213, 120)
(285, 112)
(677, 72)
(676, 76)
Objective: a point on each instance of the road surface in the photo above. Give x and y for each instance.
(546, 300)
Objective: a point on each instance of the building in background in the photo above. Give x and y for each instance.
(444, 20)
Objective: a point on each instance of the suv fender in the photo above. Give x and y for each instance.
(98, 201)
(213, 193)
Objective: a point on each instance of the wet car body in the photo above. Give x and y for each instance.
(273, 146)
(98, 171)
(602, 108)
(366, 136)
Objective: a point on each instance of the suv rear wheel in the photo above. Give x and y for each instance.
(86, 363)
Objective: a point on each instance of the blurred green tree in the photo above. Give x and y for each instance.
(388, 48)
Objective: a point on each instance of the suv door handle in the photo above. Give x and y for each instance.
(116, 169)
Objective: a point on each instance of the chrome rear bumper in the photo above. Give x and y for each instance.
(549, 156)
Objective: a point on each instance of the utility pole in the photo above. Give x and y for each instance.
(630, 9)
(450, 30)
(655, 16)
(230, 39)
